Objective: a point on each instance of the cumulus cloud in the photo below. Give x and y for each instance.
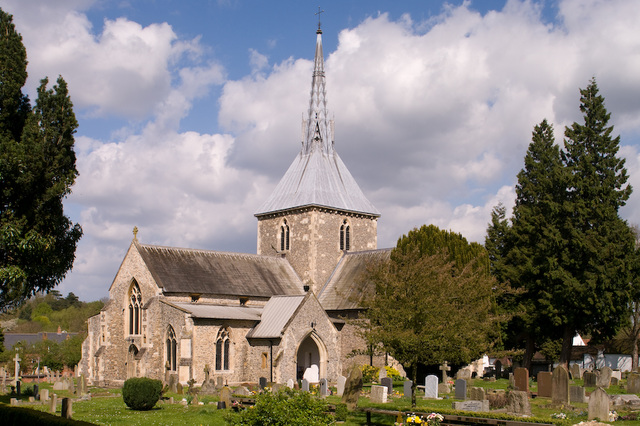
(433, 117)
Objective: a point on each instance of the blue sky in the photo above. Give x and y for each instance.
(190, 112)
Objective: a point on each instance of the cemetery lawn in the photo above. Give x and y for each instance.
(106, 407)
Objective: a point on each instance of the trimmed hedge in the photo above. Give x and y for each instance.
(141, 393)
(20, 416)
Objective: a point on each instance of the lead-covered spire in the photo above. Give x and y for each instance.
(317, 126)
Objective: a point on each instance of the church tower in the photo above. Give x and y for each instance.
(317, 212)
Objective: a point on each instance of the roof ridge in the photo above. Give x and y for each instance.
(211, 252)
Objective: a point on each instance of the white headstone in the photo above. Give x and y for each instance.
(378, 394)
(312, 374)
(290, 383)
(431, 386)
(341, 382)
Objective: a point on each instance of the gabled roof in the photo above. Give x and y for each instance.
(317, 176)
(275, 316)
(346, 288)
(178, 270)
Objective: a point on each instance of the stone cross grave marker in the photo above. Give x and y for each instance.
(544, 384)
(388, 383)
(16, 373)
(599, 405)
(444, 368)
(378, 394)
(341, 382)
(521, 379)
(431, 386)
(461, 389)
(560, 385)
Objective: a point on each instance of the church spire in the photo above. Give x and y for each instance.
(317, 127)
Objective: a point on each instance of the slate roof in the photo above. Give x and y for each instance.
(275, 316)
(219, 311)
(10, 339)
(179, 270)
(345, 289)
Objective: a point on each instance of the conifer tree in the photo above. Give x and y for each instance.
(37, 169)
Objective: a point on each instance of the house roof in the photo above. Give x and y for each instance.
(10, 339)
(219, 311)
(317, 176)
(346, 288)
(179, 270)
(275, 316)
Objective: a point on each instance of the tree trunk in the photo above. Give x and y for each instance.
(530, 350)
(567, 345)
(414, 375)
(634, 352)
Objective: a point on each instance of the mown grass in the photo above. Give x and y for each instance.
(106, 407)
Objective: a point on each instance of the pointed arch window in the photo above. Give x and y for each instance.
(345, 231)
(284, 236)
(172, 349)
(222, 349)
(135, 309)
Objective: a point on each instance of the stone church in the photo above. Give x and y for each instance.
(274, 314)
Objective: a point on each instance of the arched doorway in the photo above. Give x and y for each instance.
(311, 351)
(132, 363)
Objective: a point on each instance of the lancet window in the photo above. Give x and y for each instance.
(345, 231)
(222, 349)
(135, 309)
(172, 349)
(284, 236)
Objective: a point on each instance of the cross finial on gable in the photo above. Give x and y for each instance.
(318, 13)
(135, 233)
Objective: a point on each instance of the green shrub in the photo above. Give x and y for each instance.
(393, 373)
(369, 373)
(341, 412)
(286, 407)
(141, 393)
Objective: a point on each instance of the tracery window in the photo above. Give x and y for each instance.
(172, 349)
(222, 349)
(345, 231)
(284, 236)
(135, 309)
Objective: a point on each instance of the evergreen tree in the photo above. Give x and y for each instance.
(37, 169)
(496, 242)
(594, 293)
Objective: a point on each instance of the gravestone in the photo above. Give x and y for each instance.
(179, 388)
(576, 371)
(544, 384)
(305, 385)
(352, 388)
(406, 388)
(615, 381)
(471, 405)
(290, 383)
(444, 388)
(14, 401)
(220, 382)
(71, 386)
(225, 396)
(67, 408)
(477, 394)
(173, 383)
(18, 386)
(53, 406)
(324, 387)
(32, 399)
(44, 395)
(275, 387)
(242, 391)
(431, 386)
(263, 382)
(444, 368)
(382, 373)
(518, 403)
(498, 368)
(463, 373)
(83, 384)
(577, 394)
(633, 383)
(560, 385)
(388, 383)
(521, 379)
(378, 394)
(589, 379)
(16, 371)
(312, 374)
(604, 379)
(599, 405)
(341, 382)
(36, 388)
(461, 389)
(617, 374)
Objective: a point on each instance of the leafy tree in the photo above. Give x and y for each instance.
(432, 302)
(37, 169)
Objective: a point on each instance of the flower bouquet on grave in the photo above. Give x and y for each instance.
(434, 419)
